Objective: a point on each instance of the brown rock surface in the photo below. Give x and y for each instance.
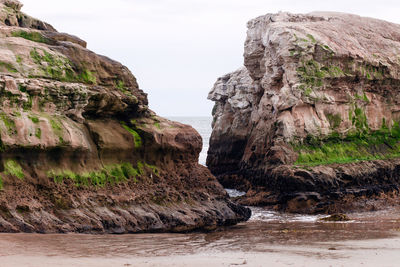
(81, 151)
(312, 119)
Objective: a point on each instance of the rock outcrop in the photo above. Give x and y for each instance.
(311, 122)
(81, 151)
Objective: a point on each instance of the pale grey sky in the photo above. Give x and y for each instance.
(178, 48)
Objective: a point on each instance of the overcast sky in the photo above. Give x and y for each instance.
(178, 48)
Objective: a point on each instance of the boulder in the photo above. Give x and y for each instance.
(315, 108)
(80, 151)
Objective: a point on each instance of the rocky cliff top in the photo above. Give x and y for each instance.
(11, 15)
(345, 34)
(49, 72)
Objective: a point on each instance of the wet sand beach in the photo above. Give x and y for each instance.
(268, 239)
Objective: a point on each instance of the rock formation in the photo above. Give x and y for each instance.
(81, 151)
(311, 122)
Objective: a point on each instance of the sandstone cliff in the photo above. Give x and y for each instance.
(311, 122)
(81, 151)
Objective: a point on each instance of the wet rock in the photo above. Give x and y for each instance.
(336, 218)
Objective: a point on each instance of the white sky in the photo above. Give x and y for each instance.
(178, 48)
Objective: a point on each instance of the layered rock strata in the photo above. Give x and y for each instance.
(81, 151)
(311, 122)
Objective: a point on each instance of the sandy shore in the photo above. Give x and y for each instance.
(268, 239)
(379, 252)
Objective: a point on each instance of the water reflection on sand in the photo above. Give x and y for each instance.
(264, 229)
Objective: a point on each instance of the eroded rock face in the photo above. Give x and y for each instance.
(316, 89)
(81, 151)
